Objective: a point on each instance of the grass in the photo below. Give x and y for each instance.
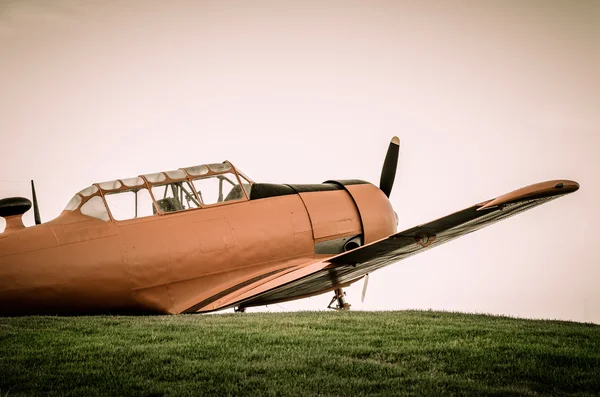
(308, 353)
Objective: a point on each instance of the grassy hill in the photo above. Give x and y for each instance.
(309, 353)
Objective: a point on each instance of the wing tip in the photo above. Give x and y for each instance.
(558, 187)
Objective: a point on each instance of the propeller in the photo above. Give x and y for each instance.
(388, 173)
(36, 210)
(364, 292)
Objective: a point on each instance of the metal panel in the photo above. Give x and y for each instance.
(333, 214)
(376, 212)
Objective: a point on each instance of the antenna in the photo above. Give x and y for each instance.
(36, 210)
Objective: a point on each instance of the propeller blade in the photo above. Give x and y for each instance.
(364, 292)
(388, 173)
(36, 209)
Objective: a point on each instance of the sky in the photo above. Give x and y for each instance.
(486, 97)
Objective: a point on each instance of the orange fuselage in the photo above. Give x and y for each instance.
(170, 263)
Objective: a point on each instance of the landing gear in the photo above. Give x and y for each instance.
(239, 309)
(340, 296)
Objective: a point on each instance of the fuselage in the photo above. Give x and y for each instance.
(184, 260)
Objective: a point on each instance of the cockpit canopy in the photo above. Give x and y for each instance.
(163, 192)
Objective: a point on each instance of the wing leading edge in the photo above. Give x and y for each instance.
(346, 268)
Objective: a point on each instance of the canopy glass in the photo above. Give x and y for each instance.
(167, 191)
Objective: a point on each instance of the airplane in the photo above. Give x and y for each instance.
(206, 238)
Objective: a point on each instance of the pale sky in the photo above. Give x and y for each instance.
(485, 97)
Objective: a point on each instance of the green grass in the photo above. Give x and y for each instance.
(308, 353)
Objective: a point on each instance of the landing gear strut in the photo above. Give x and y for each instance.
(340, 296)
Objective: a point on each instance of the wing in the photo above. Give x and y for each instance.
(344, 269)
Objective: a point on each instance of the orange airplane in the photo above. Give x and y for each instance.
(206, 238)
